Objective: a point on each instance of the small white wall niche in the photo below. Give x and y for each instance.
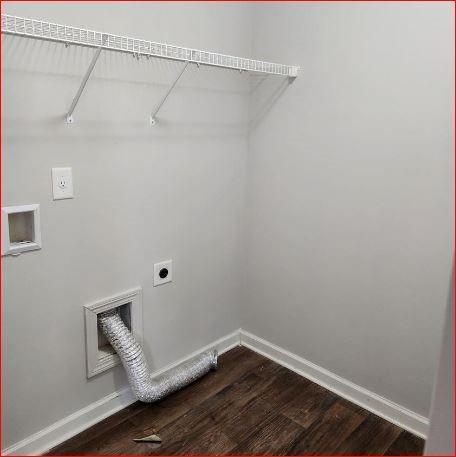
(20, 229)
(100, 355)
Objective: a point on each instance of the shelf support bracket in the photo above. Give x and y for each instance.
(69, 116)
(153, 119)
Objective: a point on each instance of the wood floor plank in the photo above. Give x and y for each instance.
(202, 430)
(250, 405)
(406, 444)
(214, 410)
(267, 369)
(373, 437)
(275, 437)
(326, 434)
(212, 414)
(246, 420)
(205, 440)
(285, 387)
(309, 405)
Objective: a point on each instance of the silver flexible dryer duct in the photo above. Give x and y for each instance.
(146, 388)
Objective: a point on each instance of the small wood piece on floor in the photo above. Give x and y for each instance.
(148, 439)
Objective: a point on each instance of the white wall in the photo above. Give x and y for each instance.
(350, 180)
(141, 195)
(349, 176)
(440, 439)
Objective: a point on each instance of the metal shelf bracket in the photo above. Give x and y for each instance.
(69, 116)
(153, 116)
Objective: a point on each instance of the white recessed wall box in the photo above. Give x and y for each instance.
(100, 355)
(20, 229)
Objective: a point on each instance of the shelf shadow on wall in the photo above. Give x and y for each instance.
(265, 95)
(119, 96)
(50, 66)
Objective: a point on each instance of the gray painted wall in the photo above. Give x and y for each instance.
(343, 184)
(350, 181)
(440, 439)
(142, 195)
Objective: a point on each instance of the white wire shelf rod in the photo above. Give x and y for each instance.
(34, 28)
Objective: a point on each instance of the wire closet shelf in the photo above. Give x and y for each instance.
(33, 28)
(72, 35)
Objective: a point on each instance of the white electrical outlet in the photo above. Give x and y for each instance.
(163, 272)
(62, 183)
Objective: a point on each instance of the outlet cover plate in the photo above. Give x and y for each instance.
(163, 272)
(62, 183)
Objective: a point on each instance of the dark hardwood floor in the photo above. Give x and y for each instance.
(250, 405)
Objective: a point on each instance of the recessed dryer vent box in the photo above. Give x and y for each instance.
(20, 229)
(99, 353)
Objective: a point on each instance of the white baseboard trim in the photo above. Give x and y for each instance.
(64, 429)
(222, 345)
(392, 412)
